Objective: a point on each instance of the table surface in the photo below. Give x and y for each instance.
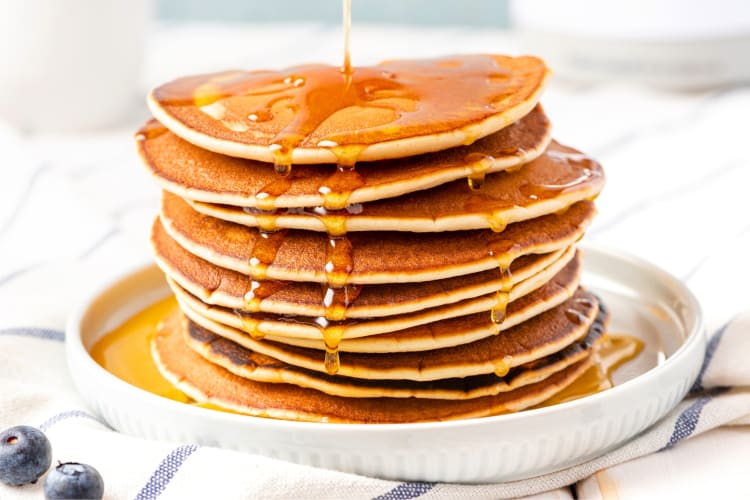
(76, 209)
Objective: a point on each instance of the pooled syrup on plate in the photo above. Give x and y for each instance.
(126, 351)
(615, 351)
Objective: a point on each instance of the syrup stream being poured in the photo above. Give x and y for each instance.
(347, 67)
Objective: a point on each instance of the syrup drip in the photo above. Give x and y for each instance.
(266, 222)
(258, 291)
(332, 336)
(497, 222)
(337, 297)
(258, 288)
(264, 252)
(503, 366)
(338, 187)
(480, 165)
(337, 300)
(267, 195)
(498, 311)
(249, 324)
(576, 163)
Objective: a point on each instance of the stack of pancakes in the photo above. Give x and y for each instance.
(331, 261)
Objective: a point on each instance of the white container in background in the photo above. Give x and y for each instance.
(686, 44)
(68, 65)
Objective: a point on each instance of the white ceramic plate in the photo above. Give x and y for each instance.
(644, 301)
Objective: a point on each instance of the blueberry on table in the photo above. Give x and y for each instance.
(73, 481)
(25, 454)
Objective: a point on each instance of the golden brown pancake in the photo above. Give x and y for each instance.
(540, 336)
(218, 286)
(376, 257)
(557, 179)
(260, 368)
(393, 110)
(261, 324)
(454, 331)
(206, 382)
(197, 174)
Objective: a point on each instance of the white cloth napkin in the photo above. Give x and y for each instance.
(37, 391)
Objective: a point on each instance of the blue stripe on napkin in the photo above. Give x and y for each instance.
(167, 469)
(710, 350)
(39, 333)
(405, 491)
(686, 423)
(66, 415)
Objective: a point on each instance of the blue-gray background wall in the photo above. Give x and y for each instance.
(484, 13)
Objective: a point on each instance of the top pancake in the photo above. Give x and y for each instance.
(201, 175)
(319, 114)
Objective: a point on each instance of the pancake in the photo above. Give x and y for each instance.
(559, 178)
(454, 331)
(260, 368)
(218, 286)
(318, 327)
(317, 114)
(374, 257)
(197, 174)
(206, 382)
(540, 336)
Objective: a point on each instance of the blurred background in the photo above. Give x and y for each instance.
(56, 55)
(489, 13)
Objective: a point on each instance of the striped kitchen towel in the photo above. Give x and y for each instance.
(36, 390)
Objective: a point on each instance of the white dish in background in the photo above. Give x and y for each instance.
(644, 301)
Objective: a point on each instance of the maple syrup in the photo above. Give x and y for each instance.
(615, 351)
(395, 100)
(338, 188)
(346, 68)
(259, 288)
(126, 351)
(503, 366)
(504, 260)
(480, 164)
(264, 252)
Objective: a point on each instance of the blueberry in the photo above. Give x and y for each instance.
(25, 454)
(73, 481)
